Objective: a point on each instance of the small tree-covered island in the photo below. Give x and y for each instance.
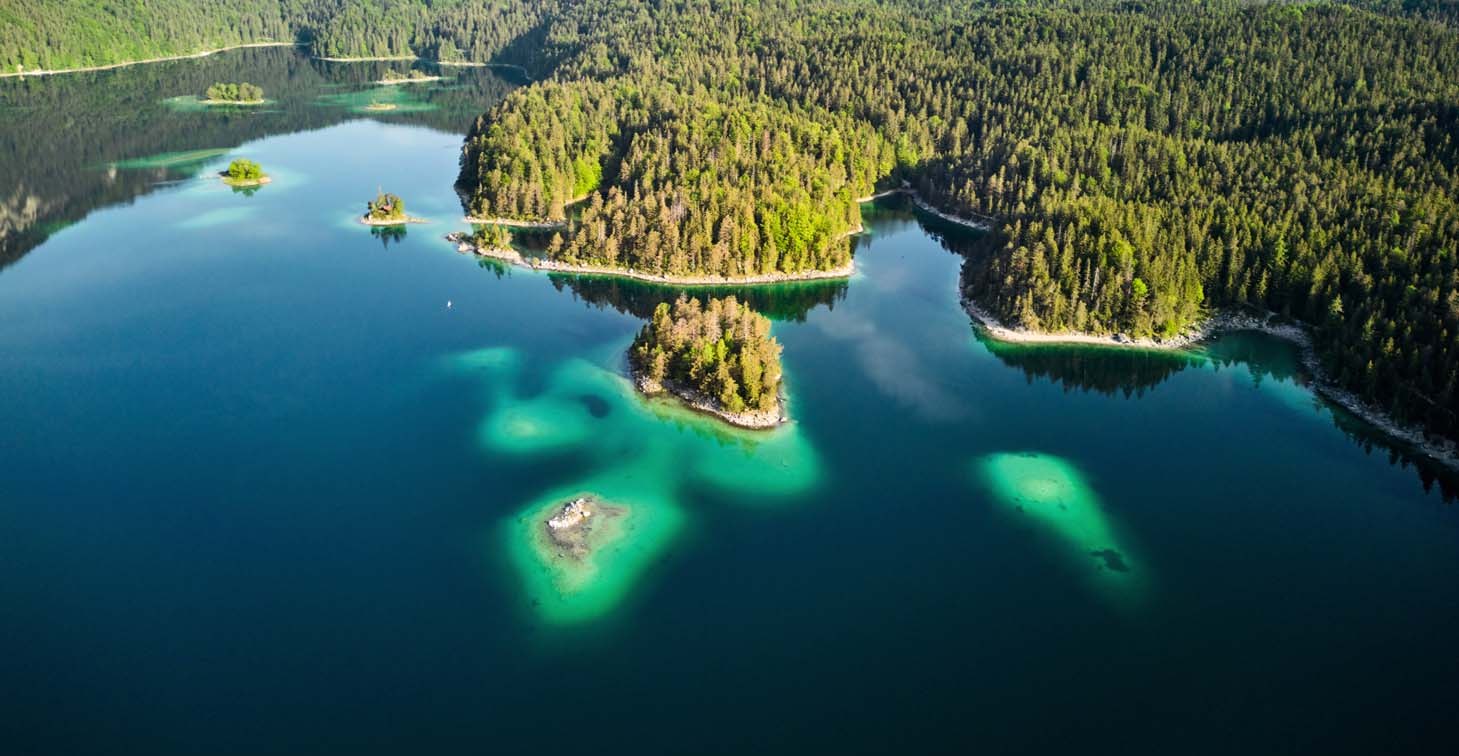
(387, 210)
(717, 357)
(243, 172)
(233, 94)
(413, 76)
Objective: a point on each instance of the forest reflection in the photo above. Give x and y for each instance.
(108, 137)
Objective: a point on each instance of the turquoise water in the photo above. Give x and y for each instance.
(262, 491)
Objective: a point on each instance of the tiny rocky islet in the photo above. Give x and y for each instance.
(581, 526)
(387, 210)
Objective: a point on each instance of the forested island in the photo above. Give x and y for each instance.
(717, 356)
(387, 210)
(243, 172)
(414, 76)
(1143, 165)
(233, 94)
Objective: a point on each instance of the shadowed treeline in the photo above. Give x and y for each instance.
(786, 301)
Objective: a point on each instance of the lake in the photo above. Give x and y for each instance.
(263, 476)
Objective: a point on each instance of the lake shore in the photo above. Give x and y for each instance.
(361, 58)
(578, 528)
(1443, 451)
(748, 420)
(163, 59)
(464, 244)
(533, 224)
(975, 223)
(513, 223)
(408, 80)
(368, 221)
(233, 102)
(448, 63)
(245, 183)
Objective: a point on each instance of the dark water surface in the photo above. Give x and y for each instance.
(260, 487)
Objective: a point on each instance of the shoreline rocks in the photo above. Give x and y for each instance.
(749, 419)
(574, 527)
(977, 224)
(368, 221)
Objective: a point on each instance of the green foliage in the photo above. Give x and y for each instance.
(243, 169)
(1144, 162)
(385, 207)
(721, 349)
(676, 184)
(493, 236)
(244, 92)
(59, 34)
(73, 33)
(414, 74)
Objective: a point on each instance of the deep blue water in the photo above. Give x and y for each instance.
(245, 506)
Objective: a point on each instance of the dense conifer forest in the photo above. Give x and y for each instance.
(1145, 162)
(77, 33)
(719, 348)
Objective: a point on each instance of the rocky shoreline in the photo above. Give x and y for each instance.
(1443, 451)
(368, 221)
(572, 529)
(977, 224)
(464, 244)
(407, 80)
(514, 223)
(749, 419)
(245, 183)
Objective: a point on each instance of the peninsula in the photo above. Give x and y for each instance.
(717, 357)
(387, 210)
(243, 173)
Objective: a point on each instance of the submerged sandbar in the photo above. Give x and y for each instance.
(581, 553)
(1053, 494)
(580, 527)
